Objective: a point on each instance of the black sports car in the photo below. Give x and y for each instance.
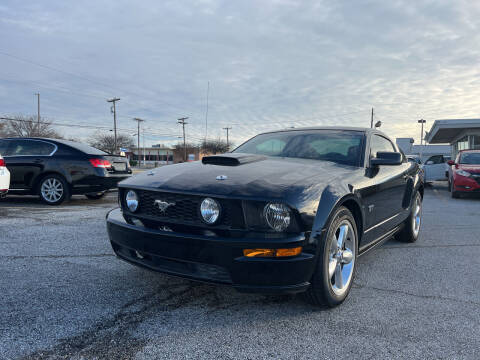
(287, 211)
(56, 169)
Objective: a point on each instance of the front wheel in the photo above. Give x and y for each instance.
(53, 190)
(454, 193)
(411, 228)
(333, 277)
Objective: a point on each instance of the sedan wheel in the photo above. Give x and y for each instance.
(53, 190)
(342, 258)
(335, 271)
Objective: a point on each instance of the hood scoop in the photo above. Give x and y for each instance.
(232, 159)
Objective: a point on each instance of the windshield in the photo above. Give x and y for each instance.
(470, 158)
(343, 147)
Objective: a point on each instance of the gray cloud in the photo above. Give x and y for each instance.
(270, 64)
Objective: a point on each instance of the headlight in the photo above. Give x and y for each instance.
(463, 173)
(132, 200)
(210, 210)
(277, 216)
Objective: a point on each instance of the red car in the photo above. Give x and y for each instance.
(465, 174)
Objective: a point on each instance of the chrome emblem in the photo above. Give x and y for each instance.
(163, 205)
(222, 177)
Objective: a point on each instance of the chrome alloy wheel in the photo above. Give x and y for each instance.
(342, 257)
(52, 190)
(417, 215)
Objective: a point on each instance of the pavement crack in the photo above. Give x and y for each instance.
(112, 338)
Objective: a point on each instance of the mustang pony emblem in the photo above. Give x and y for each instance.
(163, 205)
(222, 177)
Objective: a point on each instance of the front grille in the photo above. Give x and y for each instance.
(186, 209)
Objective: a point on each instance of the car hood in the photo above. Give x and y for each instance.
(470, 168)
(250, 176)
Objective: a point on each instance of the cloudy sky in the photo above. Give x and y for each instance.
(270, 64)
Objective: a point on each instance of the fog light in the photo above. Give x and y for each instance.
(210, 210)
(132, 200)
(272, 252)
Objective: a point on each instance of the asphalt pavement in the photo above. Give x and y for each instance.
(63, 294)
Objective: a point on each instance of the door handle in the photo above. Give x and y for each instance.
(38, 161)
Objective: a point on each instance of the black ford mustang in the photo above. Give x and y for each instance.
(287, 211)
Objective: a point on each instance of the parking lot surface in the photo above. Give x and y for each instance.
(63, 294)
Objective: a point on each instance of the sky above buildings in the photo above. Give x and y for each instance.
(269, 64)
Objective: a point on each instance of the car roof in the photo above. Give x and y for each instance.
(340, 128)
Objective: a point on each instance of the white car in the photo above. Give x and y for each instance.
(4, 178)
(435, 168)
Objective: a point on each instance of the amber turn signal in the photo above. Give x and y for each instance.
(272, 252)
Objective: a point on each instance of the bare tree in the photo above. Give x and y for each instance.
(106, 142)
(217, 146)
(27, 126)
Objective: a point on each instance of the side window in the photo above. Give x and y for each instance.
(3, 147)
(30, 147)
(380, 144)
(436, 159)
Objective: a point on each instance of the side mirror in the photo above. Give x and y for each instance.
(386, 158)
(451, 162)
(429, 162)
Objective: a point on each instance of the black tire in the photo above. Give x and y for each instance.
(95, 196)
(453, 193)
(321, 290)
(53, 180)
(408, 233)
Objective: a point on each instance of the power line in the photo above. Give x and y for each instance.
(93, 127)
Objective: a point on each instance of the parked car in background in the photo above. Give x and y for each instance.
(4, 178)
(465, 173)
(286, 212)
(435, 168)
(56, 169)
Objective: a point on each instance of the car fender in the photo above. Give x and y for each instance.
(332, 198)
(49, 171)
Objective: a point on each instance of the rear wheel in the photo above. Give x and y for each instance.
(411, 228)
(95, 196)
(333, 277)
(53, 190)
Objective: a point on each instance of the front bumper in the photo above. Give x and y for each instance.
(466, 184)
(98, 182)
(212, 259)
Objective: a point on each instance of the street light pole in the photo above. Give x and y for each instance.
(138, 140)
(421, 121)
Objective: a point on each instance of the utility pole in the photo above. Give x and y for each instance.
(113, 100)
(138, 137)
(38, 113)
(227, 128)
(421, 121)
(371, 121)
(183, 123)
